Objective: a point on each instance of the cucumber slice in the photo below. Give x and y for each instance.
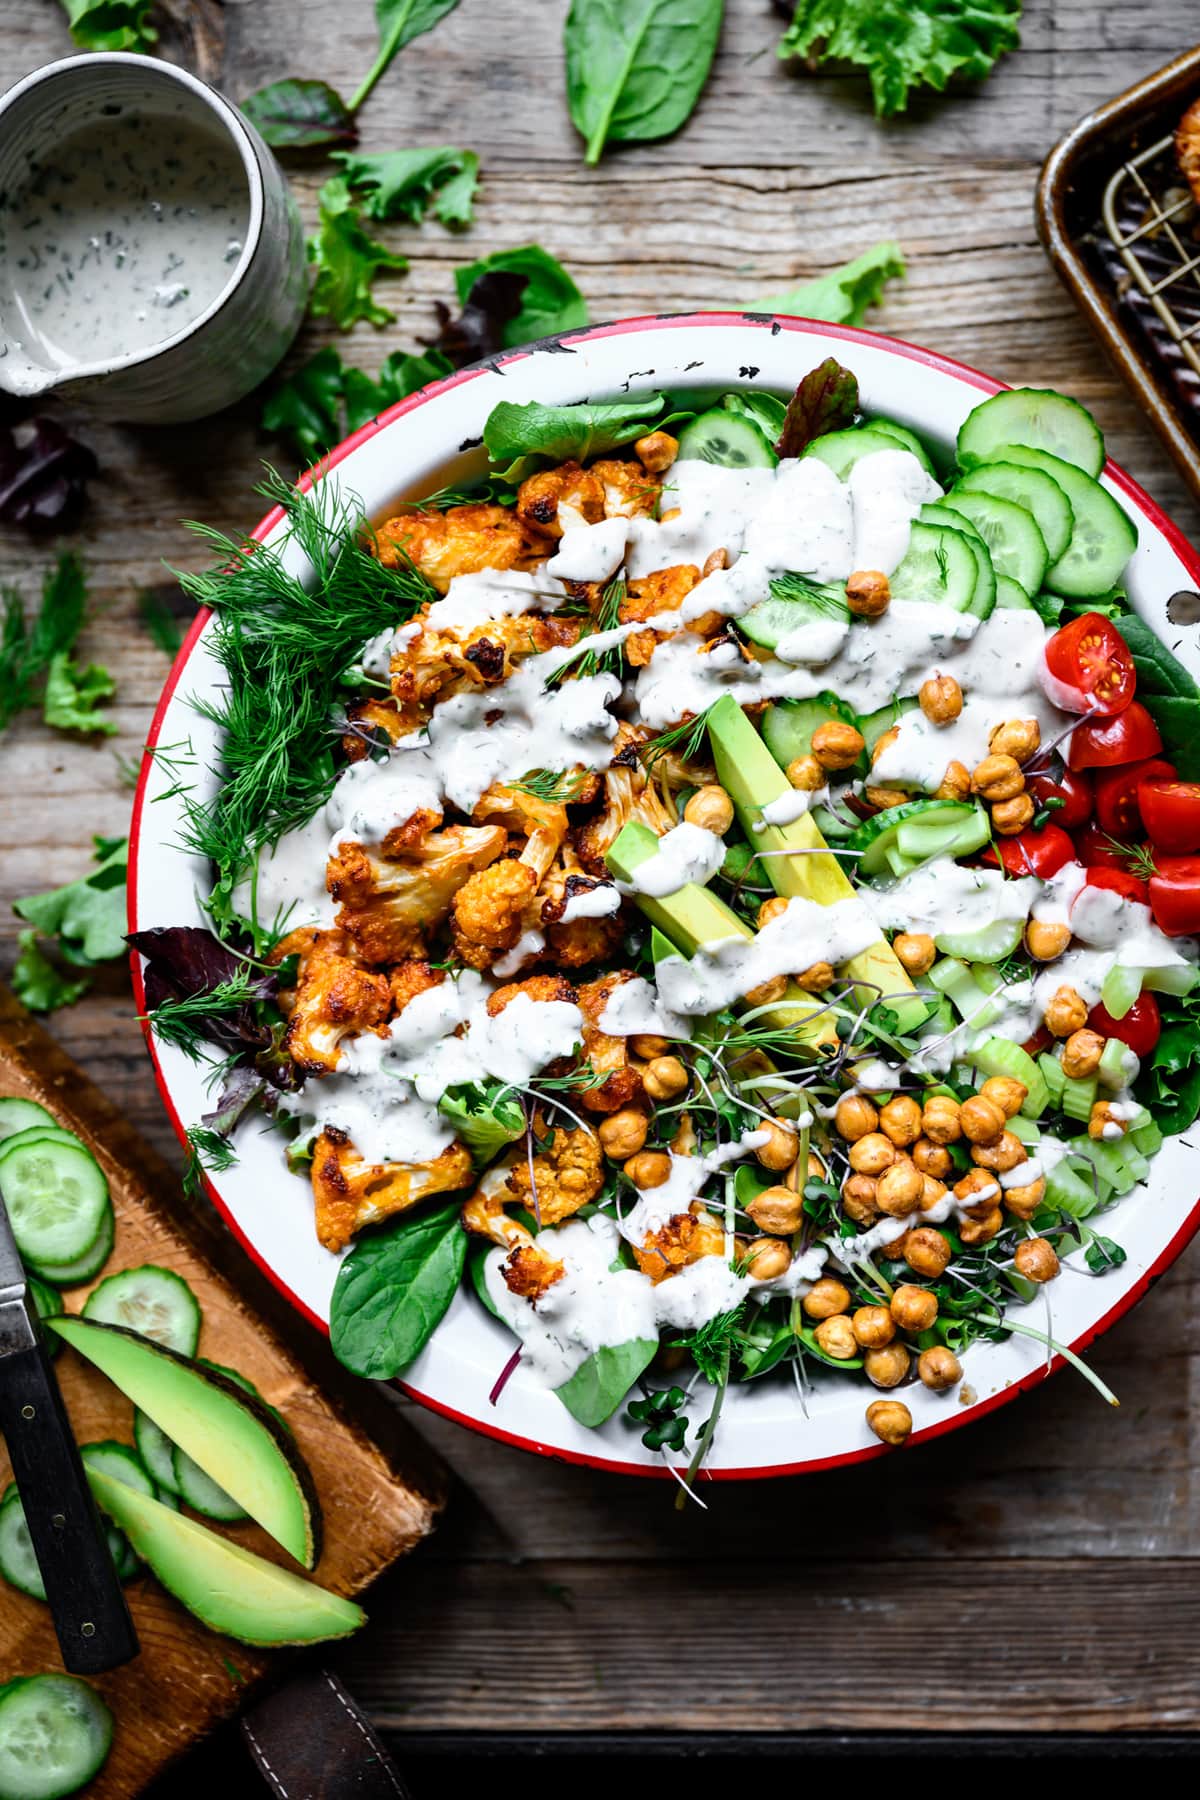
(37, 1134)
(1104, 537)
(1122, 985)
(155, 1449)
(788, 725)
(988, 945)
(840, 450)
(873, 725)
(1012, 595)
(18, 1564)
(1108, 1161)
(983, 600)
(47, 1305)
(64, 1275)
(17, 1115)
(794, 603)
(57, 1198)
(833, 829)
(119, 1461)
(1017, 547)
(201, 1492)
(154, 1302)
(999, 1056)
(939, 566)
(1037, 418)
(942, 821)
(55, 1736)
(723, 438)
(904, 439)
(1038, 493)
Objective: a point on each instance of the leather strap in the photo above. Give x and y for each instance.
(309, 1741)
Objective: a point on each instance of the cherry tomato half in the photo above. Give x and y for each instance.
(1119, 881)
(1088, 668)
(1042, 1039)
(1102, 743)
(1034, 852)
(1140, 1028)
(1096, 850)
(1117, 797)
(1175, 895)
(1068, 795)
(1170, 810)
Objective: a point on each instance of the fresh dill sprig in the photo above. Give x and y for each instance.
(711, 1345)
(607, 618)
(27, 650)
(185, 1023)
(685, 739)
(558, 787)
(826, 597)
(208, 1153)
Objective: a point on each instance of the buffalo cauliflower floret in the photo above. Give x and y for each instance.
(542, 988)
(628, 794)
(387, 905)
(374, 721)
(579, 941)
(542, 823)
(437, 663)
(683, 1240)
(334, 998)
(412, 977)
(606, 1055)
(460, 541)
(576, 490)
(629, 490)
(529, 1272)
(567, 1173)
(486, 916)
(350, 1193)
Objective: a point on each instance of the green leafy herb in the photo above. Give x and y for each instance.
(72, 695)
(347, 261)
(825, 400)
(903, 44)
(111, 24)
(1169, 1082)
(87, 916)
(557, 787)
(165, 612)
(666, 1427)
(843, 296)
(685, 740)
(187, 1021)
(486, 1116)
(209, 1152)
(27, 651)
(710, 1345)
(606, 619)
(599, 1384)
(636, 68)
(825, 597)
(1169, 694)
(524, 437)
(1101, 1253)
(406, 184)
(399, 21)
(393, 1289)
(550, 302)
(325, 400)
(301, 115)
(37, 983)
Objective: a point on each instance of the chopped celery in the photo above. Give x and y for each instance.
(987, 945)
(1053, 1076)
(1174, 978)
(1147, 1137)
(998, 1056)
(955, 980)
(1028, 1130)
(959, 838)
(1072, 1192)
(1107, 1159)
(1118, 1064)
(1078, 1098)
(1122, 985)
(1137, 1164)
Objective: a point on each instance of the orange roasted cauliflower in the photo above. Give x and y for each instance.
(350, 1193)
(460, 541)
(387, 906)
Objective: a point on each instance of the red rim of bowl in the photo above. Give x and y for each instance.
(670, 321)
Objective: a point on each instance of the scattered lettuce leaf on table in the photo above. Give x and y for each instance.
(844, 295)
(86, 916)
(37, 983)
(111, 24)
(399, 22)
(636, 68)
(325, 400)
(301, 114)
(28, 649)
(347, 262)
(902, 44)
(550, 301)
(73, 694)
(407, 184)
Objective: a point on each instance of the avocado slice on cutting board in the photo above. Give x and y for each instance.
(752, 779)
(224, 1585)
(232, 1435)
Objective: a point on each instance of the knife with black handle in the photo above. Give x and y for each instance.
(95, 1631)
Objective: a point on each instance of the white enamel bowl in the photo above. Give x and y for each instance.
(411, 450)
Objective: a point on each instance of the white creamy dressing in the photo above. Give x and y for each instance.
(590, 552)
(474, 600)
(655, 1207)
(599, 902)
(685, 853)
(634, 1009)
(528, 945)
(944, 897)
(805, 932)
(790, 807)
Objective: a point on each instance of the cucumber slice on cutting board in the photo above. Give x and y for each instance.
(1038, 418)
(57, 1199)
(55, 1736)
(64, 1275)
(17, 1115)
(156, 1303)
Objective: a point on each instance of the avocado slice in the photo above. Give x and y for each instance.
(227, 1587)
(231, 1434)
(695, 916)
(752, 779)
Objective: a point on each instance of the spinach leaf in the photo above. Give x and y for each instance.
(635, 68)
(73, 694)
(86, 916)
(844, 295)
(523, 437)
(325, 400)
(1169, 1084)
(110, 24)
(478, 1251)
(37, 983)
(1169, 694)
(826, 400)
(486, 1116)
(405, 184)
(599, 1385)
(905, 43)
(347, 261)
(393, 1290)
(399, 21)
(550, 301)
(300, 115)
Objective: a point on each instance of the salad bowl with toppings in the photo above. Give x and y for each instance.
(664, 890)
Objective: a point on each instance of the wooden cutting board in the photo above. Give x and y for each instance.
(380, 1490)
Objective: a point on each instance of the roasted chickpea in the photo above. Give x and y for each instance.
(858, 1199)
(872, 1154)
(873, 1327)
(782, 1145)
(898, 1190)
(933, 1192)
(1036, 1260)
(622, 1133)
(771, 909)
(826, 1297)
(891, 1421)
(882, 797)
(766, 1258)
(955, 783)
(1018, 738)
(884, 742)
(939, 1368)
(941, 1120)
(649, 1168)
(981, 1231)
(657, 451)
(836, 1337)
(982, 1120)
(887, 1366)
(778, 1210)
(647, 1045)
(916, 950)
(1023, 1202)
(1066, 1012)
(1102, 1124)
(664, 1078)
(913, 1308)
(868, 593)
(1081, 1054)
(932, 1159)
(977, 1193)
(1010, 817)
(716, 559)
(1009, 1094)
(1004, 1154)
(926, 1251)
(997, 778)
(900, 1120)
(816, 978)
(767, 992)
(1046, 940)
(836, 745)
(855, 1117)
(941, 699)
(711, 808)
(806, 773)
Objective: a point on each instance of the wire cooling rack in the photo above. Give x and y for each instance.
(1153, 222)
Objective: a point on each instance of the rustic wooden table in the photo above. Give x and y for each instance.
(1036, 1575)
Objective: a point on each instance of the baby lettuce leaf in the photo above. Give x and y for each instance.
(44, 473)
(524, 437)
(478, 331)
(110, 24)
(1169, 1084)
(844, 295)
(903, 44)
(72, 695)
(300, 114)
(406, 184)
(37, 983)
(550, 301)
(599, 1385)
(399, 21)
(325, 400)
(87, 916)
(825, 400)
(486, 1116)
(347, 262)
(635, 68)
(393, 1289)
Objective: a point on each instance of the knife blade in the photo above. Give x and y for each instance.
(91, 1619)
